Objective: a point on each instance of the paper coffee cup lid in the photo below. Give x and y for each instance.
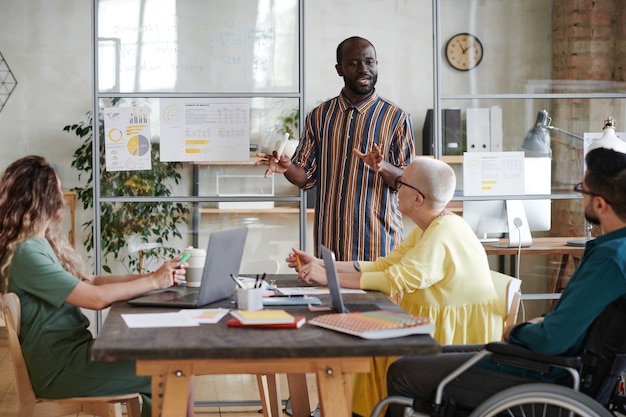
(195, 251)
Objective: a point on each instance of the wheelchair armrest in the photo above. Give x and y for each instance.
(462, 348)
(509, 353)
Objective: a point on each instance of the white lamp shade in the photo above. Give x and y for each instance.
(608, 139)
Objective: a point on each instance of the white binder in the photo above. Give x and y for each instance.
(478, 129)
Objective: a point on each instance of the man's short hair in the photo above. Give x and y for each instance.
(606, 176)
(345, 42)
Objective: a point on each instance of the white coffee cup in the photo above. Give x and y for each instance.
(196, 266)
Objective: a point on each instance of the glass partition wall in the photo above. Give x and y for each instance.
(517, 57)
(186, 92)
(523, 56)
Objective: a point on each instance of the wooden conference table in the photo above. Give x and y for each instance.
(171, 355)
(541, 246)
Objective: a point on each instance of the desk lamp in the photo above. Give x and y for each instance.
(537, 140)
(608, 139)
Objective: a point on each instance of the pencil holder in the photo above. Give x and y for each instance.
(250, 298)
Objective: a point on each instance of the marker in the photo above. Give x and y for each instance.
(281, 148)
(186, 256)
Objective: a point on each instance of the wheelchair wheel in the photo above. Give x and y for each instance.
(540, 399)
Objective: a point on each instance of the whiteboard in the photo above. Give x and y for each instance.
(198, 46)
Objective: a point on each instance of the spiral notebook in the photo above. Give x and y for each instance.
(375, 324)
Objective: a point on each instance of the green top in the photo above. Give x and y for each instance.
(53, 333)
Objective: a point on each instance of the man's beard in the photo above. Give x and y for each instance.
(363, 91)
(592, 219)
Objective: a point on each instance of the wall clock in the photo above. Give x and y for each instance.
(464, 51)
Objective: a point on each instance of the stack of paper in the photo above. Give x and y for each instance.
(265, 319)
(182, 318)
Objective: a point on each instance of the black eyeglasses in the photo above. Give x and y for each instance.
(399, 183)
(578, 188)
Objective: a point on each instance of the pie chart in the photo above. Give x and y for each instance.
(138, 145)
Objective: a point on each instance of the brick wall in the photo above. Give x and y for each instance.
(588, 43)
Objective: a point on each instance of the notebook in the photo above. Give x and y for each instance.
(336, 299)
(375, 324)
(223, 258)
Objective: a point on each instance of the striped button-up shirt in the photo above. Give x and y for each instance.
(356, 212)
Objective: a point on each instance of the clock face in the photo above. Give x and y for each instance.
(464, 51)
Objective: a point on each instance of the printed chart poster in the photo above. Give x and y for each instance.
(127, 138)
(205, 129)
(493, 173)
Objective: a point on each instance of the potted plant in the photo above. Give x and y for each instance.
(151, 226)
(290, 125)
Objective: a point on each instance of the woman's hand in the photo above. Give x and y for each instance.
(312, 273)
(297, 259)
(170, 273)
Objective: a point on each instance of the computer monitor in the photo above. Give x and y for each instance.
(515, 218)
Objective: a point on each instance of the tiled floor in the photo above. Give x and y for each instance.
(238, 395)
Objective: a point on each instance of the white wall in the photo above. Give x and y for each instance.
(401, 32)
(47, 44)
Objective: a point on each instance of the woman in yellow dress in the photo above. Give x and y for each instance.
(440, 271)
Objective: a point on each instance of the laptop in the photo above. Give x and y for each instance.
(336, 299)
(223, 258)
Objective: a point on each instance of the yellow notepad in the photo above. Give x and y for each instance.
(262, 316)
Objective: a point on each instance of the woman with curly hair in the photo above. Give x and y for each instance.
(38, 264)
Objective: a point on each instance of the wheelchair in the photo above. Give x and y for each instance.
(589, 384)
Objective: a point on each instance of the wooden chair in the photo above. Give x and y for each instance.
(509, 291)
(33, 406)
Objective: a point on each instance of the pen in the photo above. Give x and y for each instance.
(257, 281)
(239, 284)
(298, 261)
(186, 256)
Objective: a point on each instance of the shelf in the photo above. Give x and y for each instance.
(452, 159)
(251, 161)
(556, 195)
(275, 210)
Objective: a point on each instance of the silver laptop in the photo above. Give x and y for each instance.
(223, 258)
(334, 289)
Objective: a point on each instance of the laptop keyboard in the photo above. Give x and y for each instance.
(189, 297)
(167, 296)
(361, 307)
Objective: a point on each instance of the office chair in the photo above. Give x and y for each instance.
(509, 291)
(33, 406)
